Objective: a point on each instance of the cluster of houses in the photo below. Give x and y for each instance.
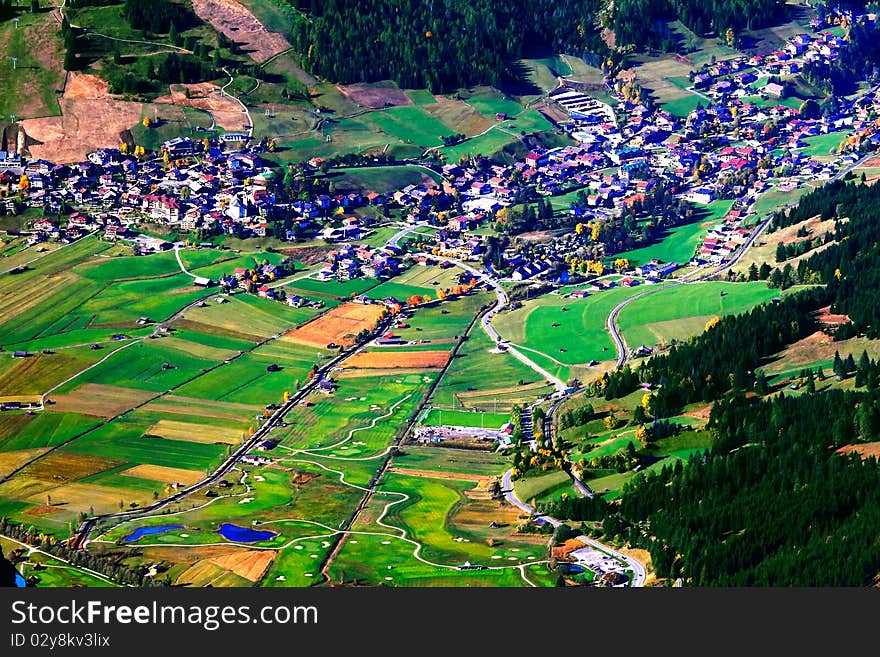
(747, 76)
(735, 146)
(351, 261)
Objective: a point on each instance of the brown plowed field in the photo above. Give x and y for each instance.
(90, 118)
(340, 325)
(374, 96)
(397, 359)
(206, 96)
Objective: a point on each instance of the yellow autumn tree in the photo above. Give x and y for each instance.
(621, 264)
(642, 435)
(712, 322)
(146, 122)
(24, 182)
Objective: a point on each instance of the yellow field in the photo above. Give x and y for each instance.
(79, 497)
(9, 461)
(340, 325)
(20, 398)
(205, 573)
(250, 564)
(100, 400)
(22, 296)
(164, 474)
(194, 433)
(59, 467)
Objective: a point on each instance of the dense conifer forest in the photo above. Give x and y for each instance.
(439, 44)
(447, 44)
(774, 502)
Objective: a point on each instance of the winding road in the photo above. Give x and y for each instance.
(638, 578)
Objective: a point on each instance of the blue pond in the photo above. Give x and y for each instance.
(140, 532)
(19, 581)
(244, 534)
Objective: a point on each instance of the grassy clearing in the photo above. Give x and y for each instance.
(28, 90)
(581, 328)
(679, 243)
(532, 487)
(491, 102)
(680, 312)
(420, 96)
(475, 369)
(382, 180)
(825, 145)
(683, 106)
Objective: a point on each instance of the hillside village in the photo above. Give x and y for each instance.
(626, 166)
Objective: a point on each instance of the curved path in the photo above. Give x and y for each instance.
(244, 109)
(486, 321)
(638, 578)
(180, 262)
(275, 419)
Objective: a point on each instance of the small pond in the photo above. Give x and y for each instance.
(244, 534)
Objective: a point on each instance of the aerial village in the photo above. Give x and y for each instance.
(741, 141)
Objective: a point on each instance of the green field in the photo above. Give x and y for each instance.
(490, 103)
(44, 430)
(28, 90)
(409, 124)
(382, 180)
(581, 328)
(478, 378)
(682, 311)
(683, 106)
(679, 244)
(535, 486)
(424, 281)
(825, 145)
(503, 134)
(421, 96)
(441, 416)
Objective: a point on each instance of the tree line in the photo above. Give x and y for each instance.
(643, 22)
(111, 566)
(441, 45)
